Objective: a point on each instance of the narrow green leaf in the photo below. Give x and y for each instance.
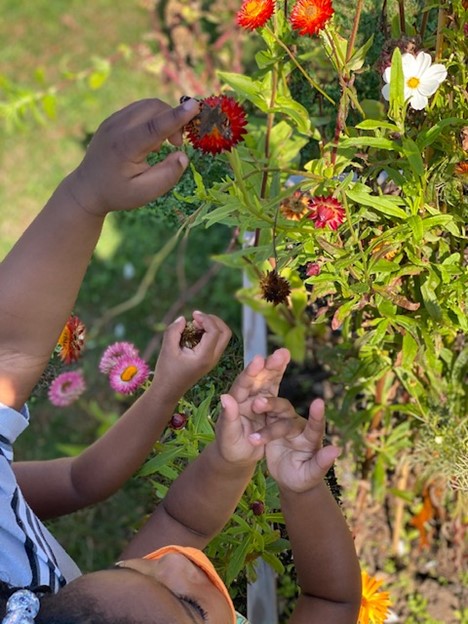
(382, 204)
(411, 151)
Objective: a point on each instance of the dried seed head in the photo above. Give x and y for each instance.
(258, 507)
(191, 335)
(274, 287)
(178, 421)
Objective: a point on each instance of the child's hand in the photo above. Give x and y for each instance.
(298, 461)
(237, 437)
(114, 174)
(179, 368)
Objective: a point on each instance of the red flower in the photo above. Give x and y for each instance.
(255, 13)
(310, 16)
(219, 125)
(326, 211)
(71, 340)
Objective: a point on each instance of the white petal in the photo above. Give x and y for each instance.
(428, 87)
(386, 91)
(387, 73)
(418, 101)
(408, 92)
(435, 72)
(423, 62)
(408, 62)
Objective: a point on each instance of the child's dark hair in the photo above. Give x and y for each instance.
(65, 607)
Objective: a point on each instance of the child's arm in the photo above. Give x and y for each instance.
(204, 496)
(57, 487)
(40, 277)
(323, 550)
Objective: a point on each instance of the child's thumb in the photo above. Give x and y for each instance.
(163, 176)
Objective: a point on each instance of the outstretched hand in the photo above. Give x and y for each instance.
(243, 427)
(114, 174)
(298, 461)
(178, 367)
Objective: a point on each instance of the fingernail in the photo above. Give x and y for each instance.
(191, 105)
(223, 400)
(179, 318)
(183, 160)
(255, 437)
(197, 312)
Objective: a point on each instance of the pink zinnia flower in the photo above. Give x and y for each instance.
(128, 374)
(66, 388)
(114, 352)
(326, 211)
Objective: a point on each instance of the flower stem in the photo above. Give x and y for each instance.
(352, 37)
(440, 33)
(401, 11)
(299, 67)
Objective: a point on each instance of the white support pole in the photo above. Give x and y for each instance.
(261, 595)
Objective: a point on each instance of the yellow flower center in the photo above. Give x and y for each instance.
(253, 8)
(129, 373)
(311, 12)
(413, 82)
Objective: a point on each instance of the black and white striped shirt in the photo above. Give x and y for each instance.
(29, 554)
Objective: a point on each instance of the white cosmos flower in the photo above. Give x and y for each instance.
(422, 79)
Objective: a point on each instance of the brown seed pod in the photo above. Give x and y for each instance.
(274, 288)
(191, 335)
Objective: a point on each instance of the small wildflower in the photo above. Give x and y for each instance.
(422, 79)
(219, 125)
(66, 388)
(71, 340)
(254, 14)
(310, 16)
(326, 211)
(275, 288)
(178, 421)
(374, 604)
(115, 351)
(312, 269)
(191, 335)
(128, 374)
(296, 206)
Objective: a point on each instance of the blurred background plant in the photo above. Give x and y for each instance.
(376, 318)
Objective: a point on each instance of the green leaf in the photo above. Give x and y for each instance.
(409, 351)
(397, 83)
(296, 111)
(376, 124)
(237, 559)
(416, 224)
(247, 87)
(411, 151)
(294, 340)
(155, 463)
(427, 137)
(382, 204)
(358, 59)
(366, 141)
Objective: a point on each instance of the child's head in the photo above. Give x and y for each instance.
(172, 588)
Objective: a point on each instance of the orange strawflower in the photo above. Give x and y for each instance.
(296, 206)
(255, 13)
(310, 16)
(71, 340)
(374, 604)
(461, 170)
(219, 126)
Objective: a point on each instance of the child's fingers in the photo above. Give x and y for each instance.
(280, 428)
(325, 457)
(275, 407)
(158, 180)
(315, 428)
(154, 129)
(173, 333)
(229, 418)
(216, 333)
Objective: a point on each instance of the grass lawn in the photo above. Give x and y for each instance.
(52, 36)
